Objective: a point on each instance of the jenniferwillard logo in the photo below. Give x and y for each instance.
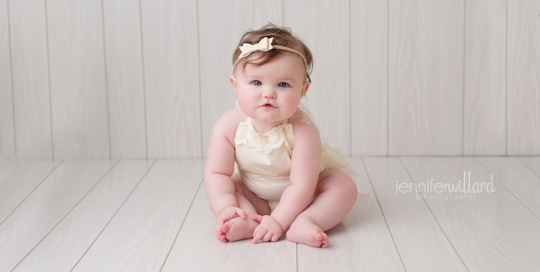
(435, 190)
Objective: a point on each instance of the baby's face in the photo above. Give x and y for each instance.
(271, 93)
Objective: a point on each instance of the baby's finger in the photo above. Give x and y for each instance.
(275, 238)
(258, 236)
(257, 218)
(268, 236)
(241, 213)
(224, 218)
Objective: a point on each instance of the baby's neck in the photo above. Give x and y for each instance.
(263, 127)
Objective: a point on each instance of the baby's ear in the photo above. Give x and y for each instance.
(232, 79)
(305, 88)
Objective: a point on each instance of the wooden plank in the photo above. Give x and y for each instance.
(420, 241)
(78, 87)
(493, 230)
(329, 95)
(369, 78)
(142, 232)
(426, 77)
(45, 207)
(517, 178)
(171, 73)
(70, 239)
(7, 133)
(533, 163)
(30, 65)
(523, 77)
(18, 179)
(230, 19)
(484, 128)
(197, 236)
(361, 242)
(125, 80)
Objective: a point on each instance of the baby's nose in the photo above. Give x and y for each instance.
(269, 93)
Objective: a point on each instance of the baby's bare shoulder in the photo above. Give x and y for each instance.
(303, 130)
(228, 122)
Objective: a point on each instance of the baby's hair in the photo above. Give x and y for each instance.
(282, 36)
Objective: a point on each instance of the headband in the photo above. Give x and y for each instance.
(265, 44)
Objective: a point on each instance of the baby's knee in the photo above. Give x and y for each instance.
(350, 189)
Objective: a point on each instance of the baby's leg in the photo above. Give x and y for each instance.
(238, 228)
(335, 195)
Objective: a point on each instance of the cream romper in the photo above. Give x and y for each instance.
(264, 160)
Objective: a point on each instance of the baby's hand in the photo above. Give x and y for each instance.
(269, 229)
(230, 213)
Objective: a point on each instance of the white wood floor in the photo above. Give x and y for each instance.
(152, 215)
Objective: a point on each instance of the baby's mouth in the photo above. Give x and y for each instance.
(268, 105)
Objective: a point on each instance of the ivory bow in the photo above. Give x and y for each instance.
(264, 44)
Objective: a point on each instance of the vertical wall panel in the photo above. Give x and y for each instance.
(485, 78)
(7, 138)
(78, 88)
(369, 78)
(324, 27)
(221, 25)
(523, 77)
(171, 71)
(31, 79)
(125, 78)
(426, 77)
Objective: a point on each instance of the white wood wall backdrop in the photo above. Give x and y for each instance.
(523, 66)
(79, 101)
(426, 77)
(329, 95)
(369, 77)
(140, 79)
(7, 138)
(485, 80)
(30, 66)
(125, 78)
(171, 68)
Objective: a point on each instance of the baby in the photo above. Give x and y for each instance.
(287, 180)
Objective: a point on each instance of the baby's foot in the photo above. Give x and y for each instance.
(306, 232)
(237, 229)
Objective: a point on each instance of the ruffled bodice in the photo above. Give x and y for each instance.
(265, 142)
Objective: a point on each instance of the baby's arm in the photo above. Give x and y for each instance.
(220, 165)
(305, 164)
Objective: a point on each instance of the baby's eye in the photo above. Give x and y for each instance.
(256, 83)
(283, 84)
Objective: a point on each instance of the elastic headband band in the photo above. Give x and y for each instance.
(265, 44)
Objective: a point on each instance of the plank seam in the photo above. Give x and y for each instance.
(12, 82)
(507, 189)
(433, 215)
(506, 78)
(201, 131)
(388, 78)
(382, 212)
(526, 164)
(112, 217)
(144, 81)
(39, 184)
(464, 77)
(62, 219)
(105, 70)
(181, 225)
(49, 77)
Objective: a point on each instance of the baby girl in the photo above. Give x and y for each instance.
(286, 179)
